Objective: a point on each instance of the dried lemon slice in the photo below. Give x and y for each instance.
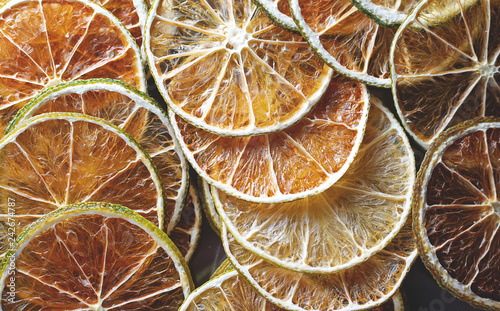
(296, 163)
(209, 205)
(365, 286)
(344, 225)
(93, 256)
(134, 112)
(224, 67)
(457, 211)
(347, 40)
(53, 160)
(445, 65)
(44, 43)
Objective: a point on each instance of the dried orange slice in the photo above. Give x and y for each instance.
(53, 160)
(347, 40)
(365, 286)
(224, 67)
(301, 161)
(134, 112)
(457, 211)
(342, 226)
(186, 233)
(209, 205)
(93, 256)
(445, 65)
(44, 43)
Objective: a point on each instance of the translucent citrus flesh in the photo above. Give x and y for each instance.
(366, 285)
(276, 167)
(94, 262)
(342, 226)
(216, 64)
(460, 215)
(447, 71)
(227, 291)
(38, 50)
(349, 37)
(131, 111)
(128, 13)
(58, 161)
(186, 233)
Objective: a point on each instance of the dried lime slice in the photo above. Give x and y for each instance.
(93, 256)
(56, 159)
(445, 65)
(342, 226)
(298, 162)
(365, 286)
(44, 43)
(456, 211)
(224, 67)
(133, 111)
(347, 40)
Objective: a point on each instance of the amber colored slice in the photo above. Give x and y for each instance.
(346, 39)
(457, 211)
(224, 67)
(342, 226)
(303, 160)
(446, 68)
(94, 257)
(131, 110)
(57, 159)
(43, 43)
(362, 287)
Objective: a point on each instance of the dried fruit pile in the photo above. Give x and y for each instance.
(308, 178)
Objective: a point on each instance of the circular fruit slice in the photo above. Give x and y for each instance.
(367, 285)
(44, 43)
(342, 226)
(93, 256)
(457, 211)
(132, 13)
(347, 40)
(226, 291)
(224, 67)
(134, 112)
(385, 12)
(288, 165)
(53, 160)
(209, 205)
(187, 231)
(446, 69)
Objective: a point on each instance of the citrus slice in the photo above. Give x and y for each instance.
(209, 205)
(187, 231)
(457, 211)
(93, 256)
(53, 160)
(132, 14)
(224, 67)
(133, 111)
(227, 291)
(347, 40)
(342, 226)
(44, 43)
(288, 165)
(386, 13)
(367, 285)
(446, 69)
